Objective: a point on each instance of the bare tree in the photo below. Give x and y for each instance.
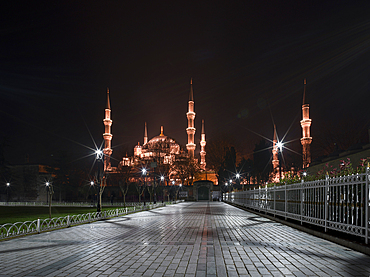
(185, 169)
(123, 175)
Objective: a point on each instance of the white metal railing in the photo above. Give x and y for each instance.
(75, 204)
(337, 203)
(9, 230)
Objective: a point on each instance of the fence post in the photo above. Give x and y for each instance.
(38, 226)
(68, 221)
(286, 201)
(259, 198)
(274, 200)
(302, 186)
(367, 206)
(326, 200)
(266, 199)
(117, 212)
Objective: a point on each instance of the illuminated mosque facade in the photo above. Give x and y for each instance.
(166, 149)
(161, 147)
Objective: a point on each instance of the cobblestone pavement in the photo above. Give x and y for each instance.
(187, 239)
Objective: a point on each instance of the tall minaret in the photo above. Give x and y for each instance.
(145, 135)
(107, 136)
(275, 157)
(306, 124)
(203, 148)
(190, 146)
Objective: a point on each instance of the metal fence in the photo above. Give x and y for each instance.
(9, 230)
(70, 204)
(338, 203)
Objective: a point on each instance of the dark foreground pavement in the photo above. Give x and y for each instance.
(188, 239)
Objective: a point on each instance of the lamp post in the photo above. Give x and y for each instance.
(178, 190)
(225, 190)
(92, 193)
(7, 192)
(163, 191)
(237, 176)
(280, 148)
(99, 160)
(50, 191)
(144, 172)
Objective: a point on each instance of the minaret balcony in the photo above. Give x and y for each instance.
(107, 121)
(307, 140)
(306, 122)
(191, 146)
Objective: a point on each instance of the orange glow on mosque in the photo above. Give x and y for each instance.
(160, 147)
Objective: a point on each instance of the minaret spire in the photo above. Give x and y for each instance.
(190, 146)
(107, 136)
(145, 134)
(304, 92)
(203, 148)
(306, 136)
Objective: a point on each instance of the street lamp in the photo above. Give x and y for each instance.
(237, 175)
(280, 147)
(50, 192)
(7, 192)
(99, 160)
(92, 193)
(144, 172)
(178, 192)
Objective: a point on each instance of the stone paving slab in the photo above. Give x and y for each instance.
(187, 239)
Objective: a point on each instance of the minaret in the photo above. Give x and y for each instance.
(190, 146)
(306, 136)
(275, 157)
(203, 148)
(107, 136)
(145, 135)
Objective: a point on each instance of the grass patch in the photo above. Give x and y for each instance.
(12, 214)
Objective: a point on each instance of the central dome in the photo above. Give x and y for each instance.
(162, 143)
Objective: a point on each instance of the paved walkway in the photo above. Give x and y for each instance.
(187, 239)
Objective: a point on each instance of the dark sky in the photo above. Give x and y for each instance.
(247, 59)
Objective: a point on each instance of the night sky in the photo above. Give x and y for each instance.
(248, 60)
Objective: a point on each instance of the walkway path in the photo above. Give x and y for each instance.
(187, 239)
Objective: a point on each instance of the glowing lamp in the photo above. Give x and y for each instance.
(279, 145)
